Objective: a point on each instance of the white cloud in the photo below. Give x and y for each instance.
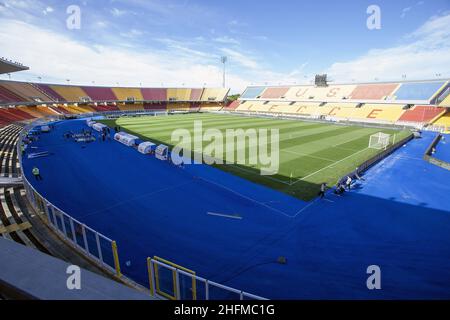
(117, 12)
(236, 23)
(425, 53)
(48, 10)
(105, 65)
(226, 39)
(133, 33)
(243, 59)
(405, 11)
(261, 38)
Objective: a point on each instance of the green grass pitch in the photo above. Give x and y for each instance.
(310, 152)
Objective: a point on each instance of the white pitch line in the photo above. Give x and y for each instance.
(329, 166)
(245, 197)
(305, 207)
(224, 215)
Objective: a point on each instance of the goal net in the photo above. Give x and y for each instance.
(379, 140)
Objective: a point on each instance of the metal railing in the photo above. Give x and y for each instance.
(428, 156)
(378, 157)
(91, 243)
(174, 282)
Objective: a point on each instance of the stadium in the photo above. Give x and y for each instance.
(354, 177)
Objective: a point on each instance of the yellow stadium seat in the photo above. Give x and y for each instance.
(257, 106)
(84, 109)
(385, 112)
(337, 110)
(178, 94)
(34, 111)
(214, 94)
(444, 122)
(130, 107)
(306, 108)
(178, 106)
(124, 94)
(244, 106)
(369, 112)
(25, 90)
(70, 93)
(46, 110)
(211, 106)
(282, 107)
(446, 102)
(71, 109)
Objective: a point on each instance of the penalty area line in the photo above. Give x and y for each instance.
(329, 166)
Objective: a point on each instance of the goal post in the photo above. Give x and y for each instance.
(379, 140)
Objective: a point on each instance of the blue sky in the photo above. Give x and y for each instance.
(176, 43)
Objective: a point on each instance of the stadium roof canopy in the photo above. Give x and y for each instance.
(8, 66)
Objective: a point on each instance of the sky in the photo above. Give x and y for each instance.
(176, 43)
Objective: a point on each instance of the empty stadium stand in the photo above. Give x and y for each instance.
(444, 98)
(334, 92)
(252, 93)
(443, 123)
(373, 91)
(408, 103)
(418, 91)
(130, 107)
(274, 93)
(196, 94)
(125, 94)
(26, 91)
(100, 93)
(421, 114)
(69, 93)
(214, 94)
(13, 223)
(14, 93)
(8, 96)
(178, 106)
(403, 103)
(178, 94)
(154, 94)
(155, 106)
(232, 106)
(47, 90)
(104, 107)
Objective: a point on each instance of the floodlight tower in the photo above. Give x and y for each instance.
(224, 60)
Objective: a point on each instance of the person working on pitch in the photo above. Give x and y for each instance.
(323, 188)
(36, 173)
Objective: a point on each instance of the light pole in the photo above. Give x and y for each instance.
(224, 60)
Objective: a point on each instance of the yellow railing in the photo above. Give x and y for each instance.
(176, 293)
